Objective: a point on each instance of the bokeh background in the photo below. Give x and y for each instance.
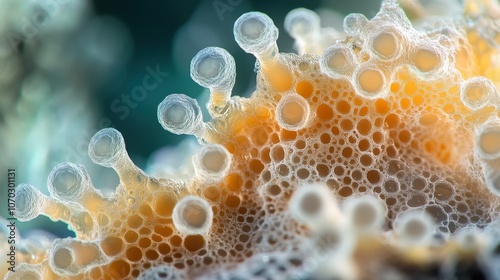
(67, 72)
(169, 34)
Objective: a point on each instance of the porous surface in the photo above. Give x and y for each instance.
(388, 124)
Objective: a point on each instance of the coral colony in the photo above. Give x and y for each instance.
(372, 156)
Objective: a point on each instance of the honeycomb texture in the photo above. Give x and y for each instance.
(373, 157)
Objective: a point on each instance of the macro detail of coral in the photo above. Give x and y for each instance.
(370, 154)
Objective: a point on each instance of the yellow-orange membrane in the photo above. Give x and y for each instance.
(488, 139)
(385, 44)
(337, 61)
(489, 142)
(371, 81)
(425, 60)
(478, 92)
(368, 158)
(292, 112)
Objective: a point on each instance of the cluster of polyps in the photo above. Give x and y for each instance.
(382, 150)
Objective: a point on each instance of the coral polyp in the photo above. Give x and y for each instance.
(372, 156)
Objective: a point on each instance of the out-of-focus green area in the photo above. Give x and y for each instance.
(69, 68)
(171, 34)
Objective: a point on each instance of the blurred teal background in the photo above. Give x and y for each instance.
(144, 35)
(170, 34)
